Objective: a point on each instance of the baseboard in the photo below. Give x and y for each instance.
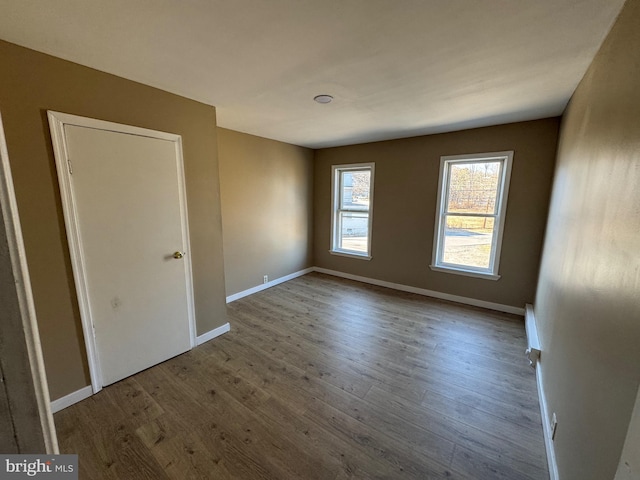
(211, 334)
(272, 283)
(86, 392)
(546, 427)
(428, 293)
(534, 349)
(533, 341)
(396, 286)
(68, 400)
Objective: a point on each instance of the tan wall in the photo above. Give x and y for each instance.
(32, 83)
(587, 305)
(406, 185)
(267, 197)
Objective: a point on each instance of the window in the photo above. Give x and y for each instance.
(472, 201)
(352, 210)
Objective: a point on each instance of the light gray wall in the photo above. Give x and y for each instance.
(267, 197)
(588, 300)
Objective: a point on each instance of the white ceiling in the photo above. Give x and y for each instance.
(396, 68)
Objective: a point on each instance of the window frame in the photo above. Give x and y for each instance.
(336, 192)
(437, 262)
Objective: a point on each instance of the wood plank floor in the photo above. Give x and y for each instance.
(325, 378)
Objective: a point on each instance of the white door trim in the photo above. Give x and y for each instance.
(64, 165)
(25, 297)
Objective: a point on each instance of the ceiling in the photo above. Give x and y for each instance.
(396, 68)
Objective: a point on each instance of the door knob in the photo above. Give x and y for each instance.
(178, 254)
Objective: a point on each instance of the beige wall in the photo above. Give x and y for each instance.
(588, 300)
(266, 189)
(32, 83)
(406, 184)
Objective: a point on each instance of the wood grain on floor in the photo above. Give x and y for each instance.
(325, 378)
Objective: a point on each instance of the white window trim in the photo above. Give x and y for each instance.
(503, 194)
(335, 203)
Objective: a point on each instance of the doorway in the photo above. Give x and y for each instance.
(124, 203)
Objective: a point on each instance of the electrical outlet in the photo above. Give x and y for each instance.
(266, 279)
(554, 426)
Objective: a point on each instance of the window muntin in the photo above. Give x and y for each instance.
(472, 200)
(352, 209)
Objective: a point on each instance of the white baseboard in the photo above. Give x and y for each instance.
(68, 400)
(211, 334)
(396, 286)
(533, 341)
(428, 293)
(546, 427)
(272, 283)
(86, 392)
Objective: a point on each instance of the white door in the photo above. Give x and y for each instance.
(127, 196)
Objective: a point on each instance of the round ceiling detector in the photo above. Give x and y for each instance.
(323, 98)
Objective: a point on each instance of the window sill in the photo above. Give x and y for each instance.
(342, 253)
(467, 273)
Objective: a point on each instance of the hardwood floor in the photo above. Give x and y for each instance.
(325, 378)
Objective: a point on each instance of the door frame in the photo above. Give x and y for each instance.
(25, 429)
(64, 167)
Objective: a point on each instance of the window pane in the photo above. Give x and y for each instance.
(353, 229)
(355, 190)
(473, 187)
(467, 241)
